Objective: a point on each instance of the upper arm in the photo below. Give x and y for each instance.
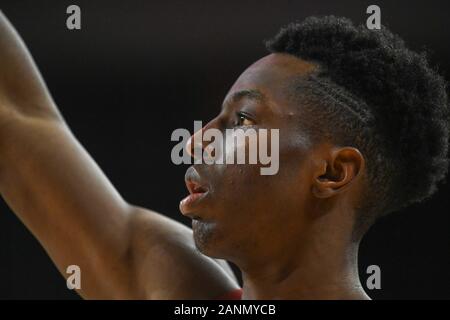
(65, 200)
(63, 197)
(21, 84)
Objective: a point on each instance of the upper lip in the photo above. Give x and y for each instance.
(193, 181)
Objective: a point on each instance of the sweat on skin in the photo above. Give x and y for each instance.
(237, 146)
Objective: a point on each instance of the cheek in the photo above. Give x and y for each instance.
(241, 148)
(243, 194)
(237, 184)
(240, 189)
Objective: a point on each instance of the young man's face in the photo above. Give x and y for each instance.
(244, 213)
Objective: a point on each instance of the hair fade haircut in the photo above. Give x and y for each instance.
(380, 97)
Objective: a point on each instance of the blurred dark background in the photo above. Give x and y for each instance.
(137, 70)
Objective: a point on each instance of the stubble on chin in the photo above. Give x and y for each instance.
(203, 235)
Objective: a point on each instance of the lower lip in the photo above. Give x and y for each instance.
(192, 200)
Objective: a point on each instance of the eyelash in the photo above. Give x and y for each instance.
(241, 115)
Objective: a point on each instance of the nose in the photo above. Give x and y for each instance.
(199, 149)
(194, 146)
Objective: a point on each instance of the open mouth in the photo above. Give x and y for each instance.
(195, 187)
(197, 191)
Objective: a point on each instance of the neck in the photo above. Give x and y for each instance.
(323, 266)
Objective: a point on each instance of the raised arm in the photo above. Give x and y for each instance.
(62, 196)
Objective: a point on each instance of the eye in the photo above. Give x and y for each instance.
(243, 119)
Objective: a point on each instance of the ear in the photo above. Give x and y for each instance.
(338, 170)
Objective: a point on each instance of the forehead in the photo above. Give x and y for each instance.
(271, 75)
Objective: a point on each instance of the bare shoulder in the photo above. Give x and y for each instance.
(168, 265)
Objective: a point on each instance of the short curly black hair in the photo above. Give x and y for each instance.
(380, 97)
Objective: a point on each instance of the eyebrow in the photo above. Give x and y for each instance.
(251, 94)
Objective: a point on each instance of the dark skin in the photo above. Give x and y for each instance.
(294, 244)
(311, 197)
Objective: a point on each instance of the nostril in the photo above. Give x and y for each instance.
(199, 189)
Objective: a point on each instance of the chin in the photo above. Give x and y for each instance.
(206, 238)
